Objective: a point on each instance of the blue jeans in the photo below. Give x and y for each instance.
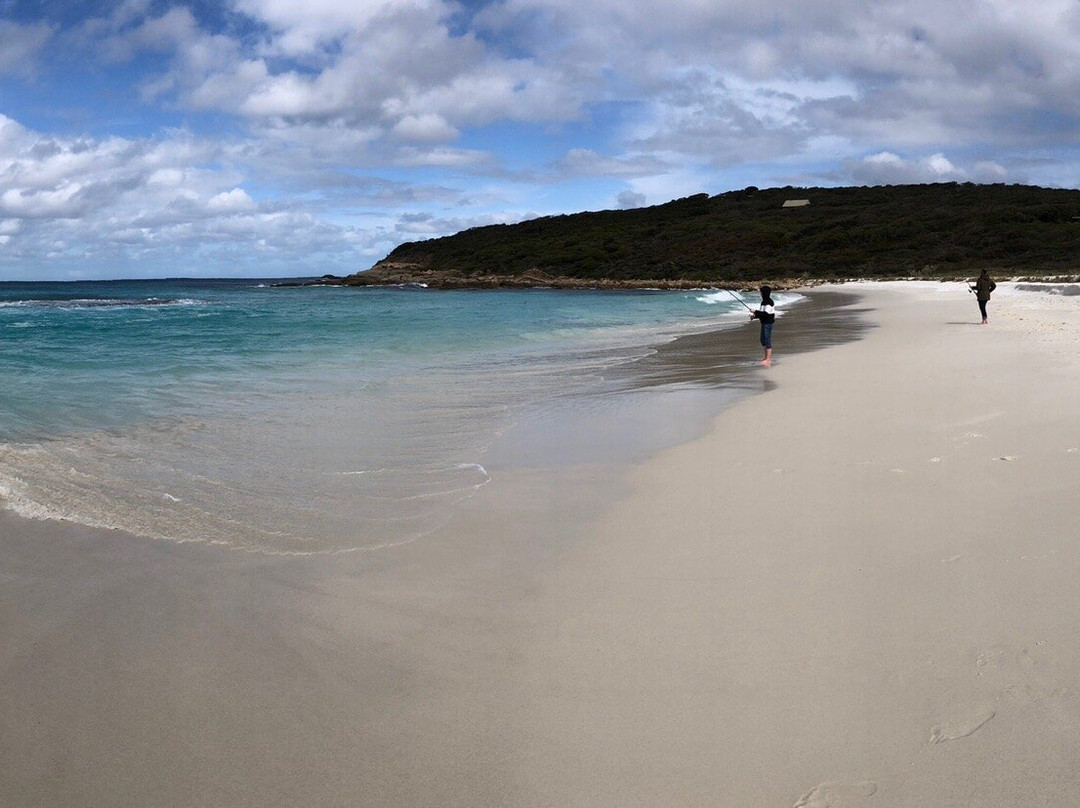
(766, 335)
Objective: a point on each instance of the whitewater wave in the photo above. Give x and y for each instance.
(98, 303)
(723, 297)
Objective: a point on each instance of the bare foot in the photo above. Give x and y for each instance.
(765, 363)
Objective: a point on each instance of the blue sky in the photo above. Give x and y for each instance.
(142, 138)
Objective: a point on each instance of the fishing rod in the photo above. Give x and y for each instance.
(740, 300)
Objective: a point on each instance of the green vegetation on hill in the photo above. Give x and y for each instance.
(885, 231)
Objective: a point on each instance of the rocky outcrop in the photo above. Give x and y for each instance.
(401, 274)
(390, 273)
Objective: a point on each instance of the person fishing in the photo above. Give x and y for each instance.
(766, 314)
(984, 285)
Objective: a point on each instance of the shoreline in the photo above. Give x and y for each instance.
(670, 395)
(448, 281)
(654, 641)
(611, 417)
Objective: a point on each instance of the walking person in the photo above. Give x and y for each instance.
(766, 314)
(983, 287)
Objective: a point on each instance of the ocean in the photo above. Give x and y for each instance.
(315, 419)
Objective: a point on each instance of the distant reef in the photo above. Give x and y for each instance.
(789, 235)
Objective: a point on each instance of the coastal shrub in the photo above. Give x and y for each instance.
(883, 230)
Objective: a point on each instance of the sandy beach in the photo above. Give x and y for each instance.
(859, 588)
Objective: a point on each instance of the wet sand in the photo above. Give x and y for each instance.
(834, 597)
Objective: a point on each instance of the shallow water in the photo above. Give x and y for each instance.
(310, 419)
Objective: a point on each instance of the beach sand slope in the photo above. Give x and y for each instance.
(859, 589)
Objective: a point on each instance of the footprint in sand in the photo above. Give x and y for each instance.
(1007, 458)
(1037, 685)
(961, 726)
(836, 795)
(1027, 655)
(988, 659)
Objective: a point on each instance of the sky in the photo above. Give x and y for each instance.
(270, 138)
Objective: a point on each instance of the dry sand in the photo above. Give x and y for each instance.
(859, 589)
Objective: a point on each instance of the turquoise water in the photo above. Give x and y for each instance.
(292, 419)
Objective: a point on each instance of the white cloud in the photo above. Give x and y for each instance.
(61, 202)
(731, 83)
(426, 127)
(234, 201)
(888, 168)
(19, 46)
(990, 171)
(304, 27)
(749, 81)
(705, 119)
(420, 226)
(680, 181)
(941, 165)
(468, 159)
(127, 31)
(884, 159)
(394, 65)
(728, 84)
(94, 201)
(13, 137)
(589, 163)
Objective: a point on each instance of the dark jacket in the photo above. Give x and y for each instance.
(765, 312)
(984, 286)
